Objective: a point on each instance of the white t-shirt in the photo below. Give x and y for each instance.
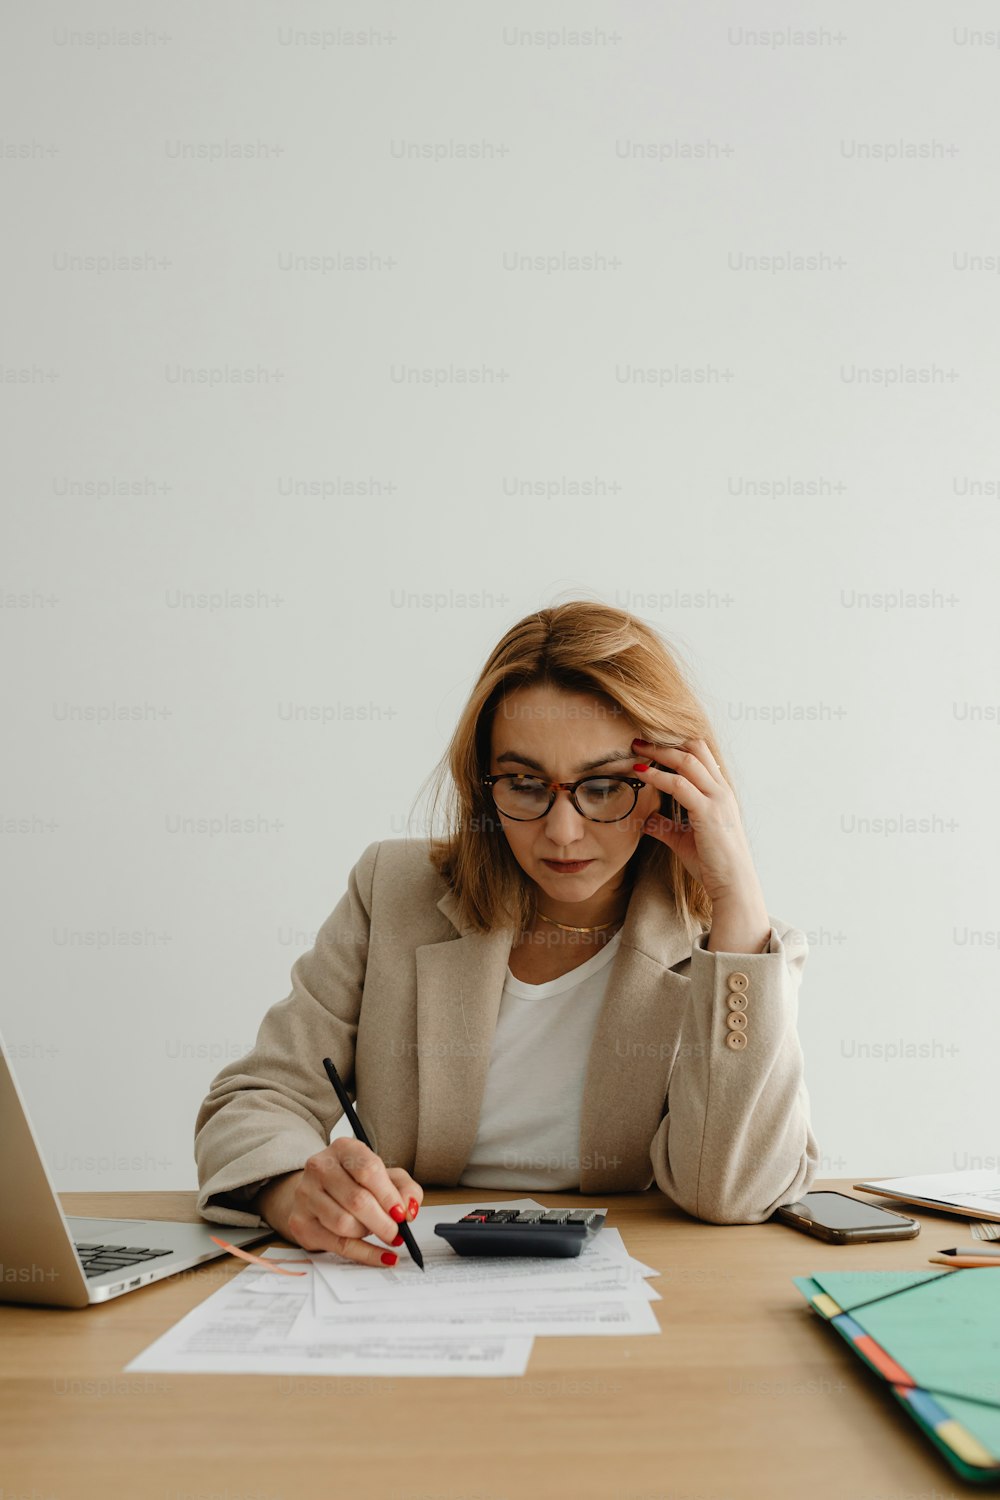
(529, 1124)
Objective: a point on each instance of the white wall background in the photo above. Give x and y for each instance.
(804, 500)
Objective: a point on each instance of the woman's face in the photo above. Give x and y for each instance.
(563, 736)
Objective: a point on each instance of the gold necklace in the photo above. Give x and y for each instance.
(599, 928)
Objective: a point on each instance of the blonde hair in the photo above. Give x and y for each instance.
(580, 647)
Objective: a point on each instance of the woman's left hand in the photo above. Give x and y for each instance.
(713, 848)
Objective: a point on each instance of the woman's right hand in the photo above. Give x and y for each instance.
(343, 1193)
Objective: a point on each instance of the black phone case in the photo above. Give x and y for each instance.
(671, 809)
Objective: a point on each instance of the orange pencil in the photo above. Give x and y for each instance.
(967, 1255)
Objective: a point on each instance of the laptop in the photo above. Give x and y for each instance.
(62, 1260)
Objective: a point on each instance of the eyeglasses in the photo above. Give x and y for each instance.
(601, 799)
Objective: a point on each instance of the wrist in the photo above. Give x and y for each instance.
(740, 898)
(274, 1199)
(739, 928)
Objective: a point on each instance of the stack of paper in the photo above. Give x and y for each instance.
(972, 1191)
(460, 1315)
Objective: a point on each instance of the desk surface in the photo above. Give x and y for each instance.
(745, 1395)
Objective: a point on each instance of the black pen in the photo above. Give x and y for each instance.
(359, 1131)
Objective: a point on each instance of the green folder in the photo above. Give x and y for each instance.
(934, 1338)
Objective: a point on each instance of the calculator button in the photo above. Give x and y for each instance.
(555, 1216)
(529, 1216)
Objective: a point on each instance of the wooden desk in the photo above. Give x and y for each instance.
(745, 1393)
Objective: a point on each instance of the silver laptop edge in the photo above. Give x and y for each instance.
(39, 1263)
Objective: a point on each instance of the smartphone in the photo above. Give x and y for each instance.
(670, 808)
(841, 1220)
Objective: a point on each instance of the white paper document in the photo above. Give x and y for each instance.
(968, 1192)
(459, 1316)
(626, 1277)
(235, 1332)
(446, 1274)
(528, 1312)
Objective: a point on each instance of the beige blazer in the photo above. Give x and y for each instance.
(694, 1077)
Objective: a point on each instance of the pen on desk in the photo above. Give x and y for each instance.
(359, 1131)
(967, 1255)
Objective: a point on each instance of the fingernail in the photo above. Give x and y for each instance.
(396, 1212)
(414, 1208)
(389, 1257)
(397, 1241)
(640, 765)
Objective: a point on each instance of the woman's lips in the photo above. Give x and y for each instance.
(567, 866)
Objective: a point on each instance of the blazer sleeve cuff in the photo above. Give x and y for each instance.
(700, 945)
(224, 1198)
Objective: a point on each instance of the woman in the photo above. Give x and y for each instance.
(572, 989)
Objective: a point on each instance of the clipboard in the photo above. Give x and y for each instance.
(934, 1338)
(927, 1192)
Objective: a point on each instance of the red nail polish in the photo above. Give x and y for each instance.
(397, 1241)
(640, 766)
(389, 1257)
(396, 1212)
(414, 1208)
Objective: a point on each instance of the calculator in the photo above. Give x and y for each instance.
(522, 1231)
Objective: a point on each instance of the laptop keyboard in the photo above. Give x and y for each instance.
(100, 1258)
